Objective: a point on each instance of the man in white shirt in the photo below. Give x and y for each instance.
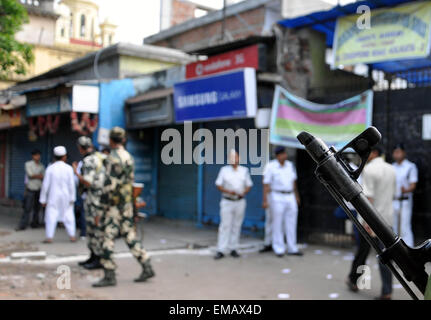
(379, 185)
(407, 178)
(234, 182)
(58, 195)
(280, 194)
(34, 171)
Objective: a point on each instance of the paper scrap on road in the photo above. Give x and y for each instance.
(163, 241)
(349, 257)
(285, 271)
(334, 295)
(318, 251)
(283, 296)
(397, 286)
(35, 255)
(335, 252)
(329, 276)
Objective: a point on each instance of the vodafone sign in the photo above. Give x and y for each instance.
(241, 58)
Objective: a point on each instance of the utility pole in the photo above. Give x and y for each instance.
(223, 22)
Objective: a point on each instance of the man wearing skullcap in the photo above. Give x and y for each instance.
(58, 195)
(118, 217)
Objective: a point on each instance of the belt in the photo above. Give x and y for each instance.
(232, 199)
(402, 198)
(283, 192)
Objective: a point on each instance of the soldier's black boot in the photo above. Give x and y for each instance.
(147, 272)
(93, 265)
(89, 260)
(107, 281)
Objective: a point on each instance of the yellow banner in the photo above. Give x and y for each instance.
(397, 33)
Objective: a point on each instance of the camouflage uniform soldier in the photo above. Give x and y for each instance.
(91, 179)
(118, 219)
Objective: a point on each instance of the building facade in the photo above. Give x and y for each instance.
(60, 33)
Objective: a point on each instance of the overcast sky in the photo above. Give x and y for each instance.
(137, 19)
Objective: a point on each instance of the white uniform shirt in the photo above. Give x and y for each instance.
(407, 173)
(279, 178)
(379, 183)
(234, 180)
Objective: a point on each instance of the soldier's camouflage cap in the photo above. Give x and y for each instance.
(85, 142)
(117, 133)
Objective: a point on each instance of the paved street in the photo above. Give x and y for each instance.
(182, 258)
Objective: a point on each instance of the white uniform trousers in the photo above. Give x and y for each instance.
(268, 228)
(405, 210)
(284, 220)
(52, 217)
(231, 218)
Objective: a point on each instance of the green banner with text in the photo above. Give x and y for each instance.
(397, 33)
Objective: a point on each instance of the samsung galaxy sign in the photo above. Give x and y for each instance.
(224, 96)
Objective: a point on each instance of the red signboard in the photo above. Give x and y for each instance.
(241, 58)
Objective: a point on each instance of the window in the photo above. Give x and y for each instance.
(110, 39)
(71, 26)
(92, 29)
(62, 32)
(82, 26)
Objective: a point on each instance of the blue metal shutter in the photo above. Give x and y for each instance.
(20, 152)
(177, 187)
(21, 148)
(141, 146)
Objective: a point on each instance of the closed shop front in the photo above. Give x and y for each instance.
(177, 184)
(141, 145)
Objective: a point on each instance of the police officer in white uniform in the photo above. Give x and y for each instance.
(234, 182)
(280, 194)
(407, 178)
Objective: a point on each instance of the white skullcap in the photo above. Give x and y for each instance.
(60, 151)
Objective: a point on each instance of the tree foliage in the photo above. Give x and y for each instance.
(14, 55)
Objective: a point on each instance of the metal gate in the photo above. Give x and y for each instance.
(400, 101)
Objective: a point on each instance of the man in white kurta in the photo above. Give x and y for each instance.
(234, 182)
(58, 195)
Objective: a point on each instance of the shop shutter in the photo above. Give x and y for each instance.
(177, 188)
(20, 152)
(140, 144)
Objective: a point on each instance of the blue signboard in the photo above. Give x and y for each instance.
(224, 96)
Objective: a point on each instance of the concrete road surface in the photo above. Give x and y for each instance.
(182, 257)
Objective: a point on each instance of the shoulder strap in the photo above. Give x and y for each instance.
(100, 162)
